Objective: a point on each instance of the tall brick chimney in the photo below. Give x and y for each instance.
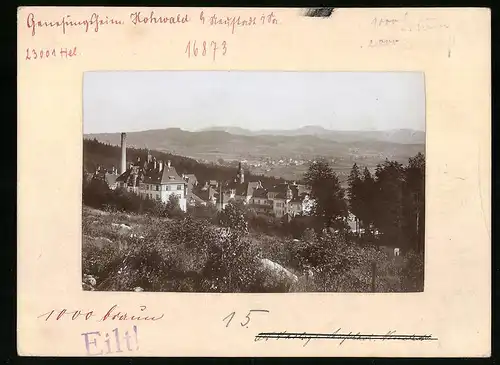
(124, 153)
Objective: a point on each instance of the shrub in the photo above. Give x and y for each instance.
(232, 216)
(95, 193)
(232, 265)
(172, 207)
(332, 258)
(208, 211)
(99, 261)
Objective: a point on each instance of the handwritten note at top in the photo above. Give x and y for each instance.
(98, 22)
(402, 28)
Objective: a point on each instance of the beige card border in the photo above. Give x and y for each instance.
(455, 306)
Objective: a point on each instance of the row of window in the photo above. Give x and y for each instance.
(262, 201)
(167, 187)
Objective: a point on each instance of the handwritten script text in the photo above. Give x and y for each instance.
(111, 315)
(337, 335)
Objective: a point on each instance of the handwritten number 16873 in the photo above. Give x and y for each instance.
(213, 48)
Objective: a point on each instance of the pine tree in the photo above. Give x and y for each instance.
(354, 194)
(367, 195)
(415, 202)
(389, 202)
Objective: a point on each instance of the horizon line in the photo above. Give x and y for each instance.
(208, 129)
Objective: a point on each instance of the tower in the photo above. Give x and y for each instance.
(123, 166)
(241, 174)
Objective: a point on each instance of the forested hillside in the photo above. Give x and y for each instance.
(97, 153)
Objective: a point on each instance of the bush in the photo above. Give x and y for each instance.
(232, 216)
(232, 265)
(264, 223)
(208, 211)
(99, 261)
(332, 258)
(172, 208)
(95, 193)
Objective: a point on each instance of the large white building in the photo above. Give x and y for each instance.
(152, 179)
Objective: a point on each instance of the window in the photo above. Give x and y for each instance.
(167, 187)
(157, 187)
(179, 187)
(158, 197)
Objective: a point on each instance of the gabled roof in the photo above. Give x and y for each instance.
(260, 193)
(196, 198)
(191, 178)
(244, 189)
(153, 176)
(124, 177)
(169, 175)
(205, 194)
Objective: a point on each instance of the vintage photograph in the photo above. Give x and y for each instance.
(253, 182)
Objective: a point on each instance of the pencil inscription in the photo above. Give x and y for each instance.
(342, 337)
(228, 319)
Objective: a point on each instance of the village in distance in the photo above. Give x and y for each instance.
(228, 209)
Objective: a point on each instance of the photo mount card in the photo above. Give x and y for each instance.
(253, 182)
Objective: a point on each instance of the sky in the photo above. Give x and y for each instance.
(128, 101)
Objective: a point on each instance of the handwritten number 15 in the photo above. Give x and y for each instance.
(230, 317)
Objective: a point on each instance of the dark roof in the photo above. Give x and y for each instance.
(298, 191)
(279, 191)
(205, 194)
(260, 193)
(243, 189)
(153, 176)
(124, 177)
(170, 175)
(196, 198)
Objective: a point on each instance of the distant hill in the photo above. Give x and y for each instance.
(403, 136)
(306, 143)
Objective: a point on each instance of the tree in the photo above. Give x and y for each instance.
(414, 212)
(96, 193)
(354, 194)
(366, 195)
(329, 203)
(389, 202)
(172, 207)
